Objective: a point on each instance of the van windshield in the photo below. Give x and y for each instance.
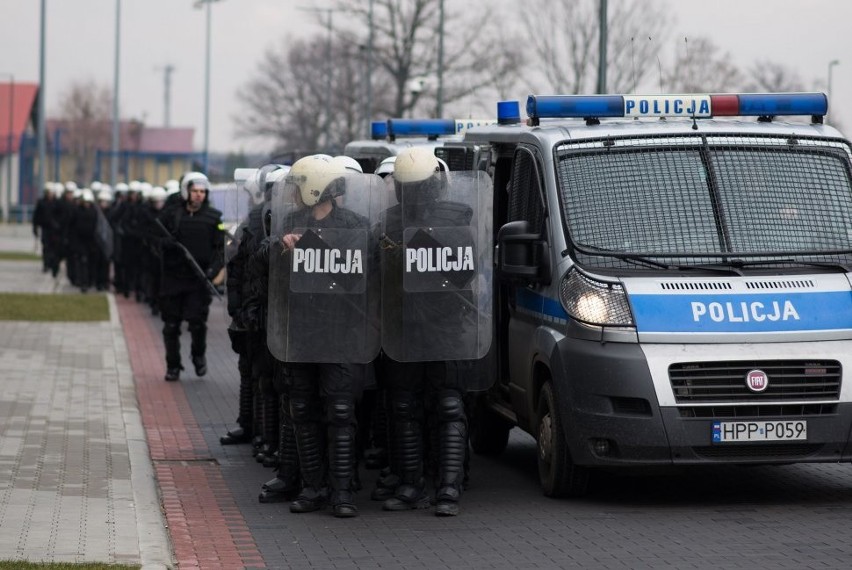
(706, 199)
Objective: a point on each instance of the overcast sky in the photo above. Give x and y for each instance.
(802, 34)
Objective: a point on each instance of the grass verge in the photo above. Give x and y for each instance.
(18, 256)
(36, 307)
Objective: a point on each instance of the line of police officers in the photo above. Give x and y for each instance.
(160, 245)
(100, 233)
(360, 315)
(360, 311)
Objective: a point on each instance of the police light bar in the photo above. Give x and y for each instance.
(420, 127)
(692, 106)
(378, 130)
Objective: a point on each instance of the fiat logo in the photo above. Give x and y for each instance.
(757, 380)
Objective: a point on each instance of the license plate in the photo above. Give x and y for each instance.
(725, 432)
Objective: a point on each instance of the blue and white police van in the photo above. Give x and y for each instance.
(388, 138)
(672, 282)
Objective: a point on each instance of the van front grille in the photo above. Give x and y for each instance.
(788, 380)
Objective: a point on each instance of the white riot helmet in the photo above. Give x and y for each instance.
(273, 178)
(145, 189)
(121, 188)
(87, 195)
(192, 179)
(104, 196)
(50, 188)
(317, 178)
(96, 186)
(349, 163)
(134, 186)
(172, 187)
(158, 194)
(70, 186)
(386, 166)
(421, 173)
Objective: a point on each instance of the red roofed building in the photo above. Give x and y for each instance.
(17, 117)
(79, 151)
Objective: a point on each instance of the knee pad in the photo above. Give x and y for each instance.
(196, 327)
(450, 406)
(405, 410)
(341, 412)
(302, 411)
(171, 329)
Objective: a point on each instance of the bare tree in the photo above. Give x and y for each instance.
(304, 100)
(563, 40)
(85, 109)
(477, 57)
(772, 77)
(700, 67)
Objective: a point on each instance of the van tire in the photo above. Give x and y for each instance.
(558, 474)
(489, 433)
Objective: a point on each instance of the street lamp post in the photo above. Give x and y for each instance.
(199, 4)
(831, 65)
(40, 128)
(113, 157)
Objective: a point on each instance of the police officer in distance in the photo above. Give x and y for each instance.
(184, 296)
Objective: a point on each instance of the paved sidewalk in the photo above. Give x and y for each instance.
(76, 478)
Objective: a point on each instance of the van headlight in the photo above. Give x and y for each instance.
(594, 302)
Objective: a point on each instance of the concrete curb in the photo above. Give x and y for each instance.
(155, 547)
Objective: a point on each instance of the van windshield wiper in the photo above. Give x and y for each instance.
(629, 257)
(736, 264)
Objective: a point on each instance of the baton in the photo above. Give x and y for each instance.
(194, 264)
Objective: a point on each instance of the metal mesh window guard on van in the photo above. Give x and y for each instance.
(689, 200)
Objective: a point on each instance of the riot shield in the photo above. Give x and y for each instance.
(237, 202)
(436, 261)
(104, 234)
(324, 300)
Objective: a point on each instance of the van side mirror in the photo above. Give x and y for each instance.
(522, 255)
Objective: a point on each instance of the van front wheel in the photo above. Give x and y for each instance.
(557, 472)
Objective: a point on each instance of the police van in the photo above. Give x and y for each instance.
(388, 138)
(672, 282)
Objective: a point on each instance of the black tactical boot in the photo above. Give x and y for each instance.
(341, 457)
(171, 340)
(407, 460)
(310, 443)
(286, 485)
(200, 364)
(235, 436)
(453, 450)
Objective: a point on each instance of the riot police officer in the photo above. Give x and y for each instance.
(320, 327)
(184, 288)
(429, 326)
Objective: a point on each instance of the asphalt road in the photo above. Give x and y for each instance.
(794, 516)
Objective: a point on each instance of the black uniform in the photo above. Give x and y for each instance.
(419, 390)
(184, 296)
(46, 225)
(323, 396)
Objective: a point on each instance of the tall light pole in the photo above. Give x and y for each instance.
(439, 108)
(602, 44)
(199, 4)
(116, 119)
(831, 65)
(40, 131)
(368, 114)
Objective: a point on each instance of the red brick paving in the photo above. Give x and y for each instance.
(204, 521)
